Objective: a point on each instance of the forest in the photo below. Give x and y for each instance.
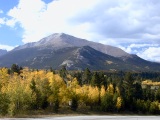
(24, 89)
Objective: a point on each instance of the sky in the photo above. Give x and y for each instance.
(132, 25)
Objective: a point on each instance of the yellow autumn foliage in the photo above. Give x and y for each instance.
(93, 94)
(4, 76)
(110, 89)
(29, 86)
(102, 92)
(119, 102)
(150, 82)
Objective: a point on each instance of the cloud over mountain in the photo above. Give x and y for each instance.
(113, 22)
(6, 47)
(108, 19)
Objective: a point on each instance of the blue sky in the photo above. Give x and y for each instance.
(11, 36)
(134, 26)
(8, 36)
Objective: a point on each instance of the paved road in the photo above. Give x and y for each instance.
(91, 118)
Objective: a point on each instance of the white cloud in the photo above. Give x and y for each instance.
(119, 20)
(2, 21)
(6, 47)
(135, 48)
(152, 53)
(10, 23)
(142, 45)
(127, 49)
(43, 19)
(146, 51)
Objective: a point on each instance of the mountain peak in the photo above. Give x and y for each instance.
(54, 35)
(62, 40)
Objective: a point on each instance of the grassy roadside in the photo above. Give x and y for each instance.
(66, 112)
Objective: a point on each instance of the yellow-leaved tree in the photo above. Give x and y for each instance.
(4, 100)
(56, 85)
(93, 96)
(119, 103)
(110, 89)
(103, 91)
(4, 77)
(73, 93)
(19, 94)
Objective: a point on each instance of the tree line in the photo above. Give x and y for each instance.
(23, 89)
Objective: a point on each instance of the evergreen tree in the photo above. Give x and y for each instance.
(15, 68)
(74, 104)
(95, 80)
(107, 103)
(129, 91)
(86, 76)
(157, 95)
(63, 73)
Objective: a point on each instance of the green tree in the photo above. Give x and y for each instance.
(74, 100)
(86, 76)
(63, 73)
(138, 93)
(129, 91)
(107, 103)
(157, 95)
(102, 79)
(34, 94)
(95, 80)
(15, 68)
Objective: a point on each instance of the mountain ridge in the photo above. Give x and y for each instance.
(61, 40)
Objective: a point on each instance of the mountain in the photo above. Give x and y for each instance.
(61, 40)
(2, 52)
(57, 50)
